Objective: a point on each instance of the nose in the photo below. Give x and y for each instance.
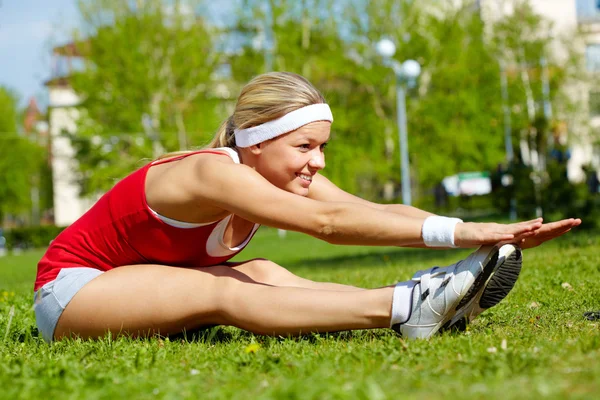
(317, 160)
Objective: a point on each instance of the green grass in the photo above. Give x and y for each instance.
(534, 344)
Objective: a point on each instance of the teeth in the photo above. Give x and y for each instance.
(305, 177)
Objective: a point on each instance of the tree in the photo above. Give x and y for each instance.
(543, 72)
(460, 110)
(20, 159)
(146, 61)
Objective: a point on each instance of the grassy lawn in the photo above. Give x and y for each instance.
(535, 344)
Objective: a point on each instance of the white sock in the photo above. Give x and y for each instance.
(402, 302)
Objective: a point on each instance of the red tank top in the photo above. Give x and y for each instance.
(120, 229)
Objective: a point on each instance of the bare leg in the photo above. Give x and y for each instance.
(145, 299)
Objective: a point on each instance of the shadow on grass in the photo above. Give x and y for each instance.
(224, 335)
(399, 256)
(213, 335)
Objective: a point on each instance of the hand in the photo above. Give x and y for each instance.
(547, 232)
(471, 234)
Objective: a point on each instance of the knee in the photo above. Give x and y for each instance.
(264, 271)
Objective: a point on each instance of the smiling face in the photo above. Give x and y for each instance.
(291, 160)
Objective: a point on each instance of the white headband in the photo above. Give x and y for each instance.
(289, 122)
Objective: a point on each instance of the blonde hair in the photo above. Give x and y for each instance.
(265, 98)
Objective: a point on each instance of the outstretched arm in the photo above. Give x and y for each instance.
(244, 192)
(323, 189)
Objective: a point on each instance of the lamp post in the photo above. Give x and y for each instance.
(406, 76)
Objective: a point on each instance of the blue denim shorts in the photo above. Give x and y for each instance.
(52, 298)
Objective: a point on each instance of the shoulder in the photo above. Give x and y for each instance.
(203, 164)
(213, 169)
(187, 173)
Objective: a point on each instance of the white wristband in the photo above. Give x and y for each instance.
(439, 231)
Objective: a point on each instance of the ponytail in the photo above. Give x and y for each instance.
(225, 135)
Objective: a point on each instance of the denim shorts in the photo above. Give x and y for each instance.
(52, 298)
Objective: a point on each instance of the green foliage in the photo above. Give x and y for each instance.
(535, 341)
(31, 237)
(143, 60)
(460, 123)
(21, 165)
(8, 111)
(562, 199)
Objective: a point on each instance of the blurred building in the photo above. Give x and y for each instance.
(62, 117)
(569, 17)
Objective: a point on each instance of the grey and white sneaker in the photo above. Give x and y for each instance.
(441, 293)
(497, 286)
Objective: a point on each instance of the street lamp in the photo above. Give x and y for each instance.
(406, 76)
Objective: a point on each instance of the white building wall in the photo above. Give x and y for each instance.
(562, 13)
(68, 206)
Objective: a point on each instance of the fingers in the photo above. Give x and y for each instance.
(555, 234)
(523, 227)
(523, 236)
(531, 221)
(560, 224)
(553, 227)
(531, 233)
(537, 240)
(506, 237)
(562, 232)
(570, 222)
(494, 233)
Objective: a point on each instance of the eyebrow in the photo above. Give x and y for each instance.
(311, 139)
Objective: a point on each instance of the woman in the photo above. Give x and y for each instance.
(151, 255)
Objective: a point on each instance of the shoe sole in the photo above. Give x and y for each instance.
(497, 286)
(489, 265)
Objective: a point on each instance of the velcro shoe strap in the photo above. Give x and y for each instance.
(424, 277)
(417, 276)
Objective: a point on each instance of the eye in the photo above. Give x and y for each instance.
(324, 145)
(305, 146)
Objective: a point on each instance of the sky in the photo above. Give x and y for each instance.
(28, 31)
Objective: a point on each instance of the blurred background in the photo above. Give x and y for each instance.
(484, 109)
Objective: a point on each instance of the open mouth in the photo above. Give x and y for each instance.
(305, 177)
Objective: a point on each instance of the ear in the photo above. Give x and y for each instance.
(255, 149)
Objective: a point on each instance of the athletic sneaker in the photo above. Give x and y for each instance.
(441, 293)
(496, 287)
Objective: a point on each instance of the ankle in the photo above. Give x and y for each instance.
(402, 302)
